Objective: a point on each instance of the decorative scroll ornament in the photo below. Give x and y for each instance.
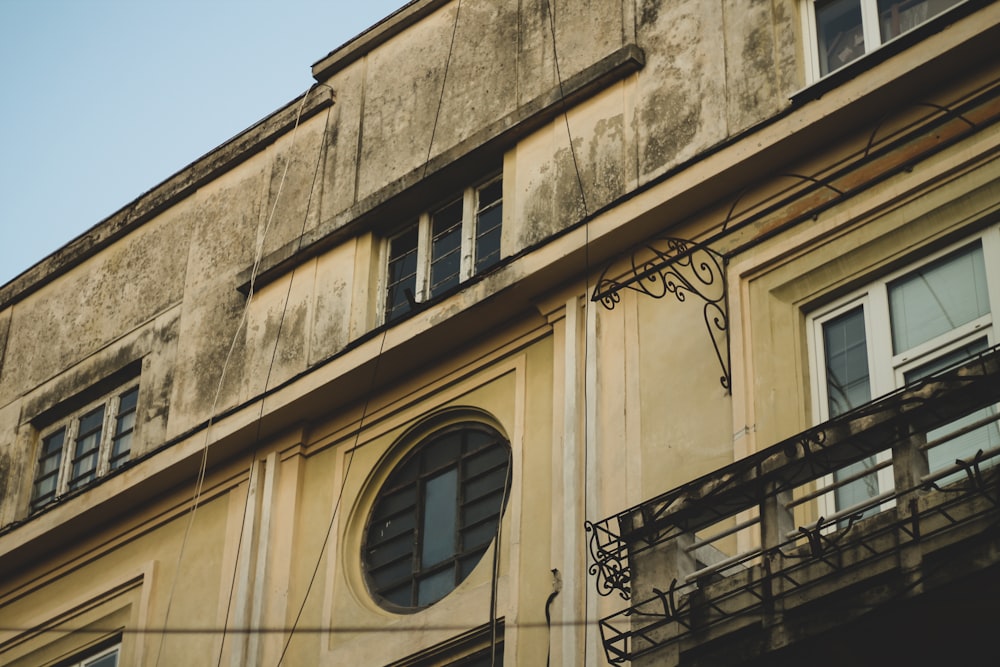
(610, 561)
(669, 265)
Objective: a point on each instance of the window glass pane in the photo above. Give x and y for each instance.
(937, 298)
(485, 484)
(49, 460)
(488, 506)
(964, 446)
(479, 537)
(859, 490)
(840, 33)
(392, 503)
(489, 216)
(847, 386)
(88, 442)
(483, 461)
(440, 515)
(391, 550)
(109, 660)
(446, 247)
(393, 573)
(402, 273)
(444, 451)
(121, 444)
(846, 348)
(897, 16)
(436, 586)
(384, 529)
(401, 595)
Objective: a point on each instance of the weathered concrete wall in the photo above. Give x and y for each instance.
(712, 69)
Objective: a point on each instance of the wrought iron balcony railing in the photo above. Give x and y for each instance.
(674, 556)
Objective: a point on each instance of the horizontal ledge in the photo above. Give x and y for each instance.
(160, 198)
(477, 154)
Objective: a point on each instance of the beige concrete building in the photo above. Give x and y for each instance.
(563, 332)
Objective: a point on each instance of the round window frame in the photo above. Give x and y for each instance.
(423, 440)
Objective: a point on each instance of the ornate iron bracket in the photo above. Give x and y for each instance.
(668, 265)
(610, 561)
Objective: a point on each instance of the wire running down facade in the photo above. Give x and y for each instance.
(588, 332)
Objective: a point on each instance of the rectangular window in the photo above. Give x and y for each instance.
(899, 330)
(443, 248)
(844, 30)
(106, 657)
(88, 443)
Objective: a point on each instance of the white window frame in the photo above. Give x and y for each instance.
(869, 27)
(887, 370)
(99, 655)
(423, 224)
(111, 402)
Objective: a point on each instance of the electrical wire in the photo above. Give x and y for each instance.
(565, 112)
(271, 363)
(586, 286)
(203, 464)
(364, 411)
(444, 80)
(265, 630)
(336, 506)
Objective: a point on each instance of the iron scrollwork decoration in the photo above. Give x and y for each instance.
(669, 265)
(610, 561)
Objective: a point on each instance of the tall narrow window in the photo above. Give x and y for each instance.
(847, 387)
(902, 329)
(446, 248)
(121, 442)
(402, 273)
(489, 216)
(49, 464)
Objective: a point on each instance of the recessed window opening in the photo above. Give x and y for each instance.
(85, 445)
(443, 247)
(436, 515)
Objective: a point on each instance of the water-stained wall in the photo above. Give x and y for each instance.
(711, 70)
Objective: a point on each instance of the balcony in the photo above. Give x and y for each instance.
(754, 564)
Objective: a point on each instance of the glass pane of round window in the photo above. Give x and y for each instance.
(436, 515)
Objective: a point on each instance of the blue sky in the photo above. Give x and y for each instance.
(101, 100)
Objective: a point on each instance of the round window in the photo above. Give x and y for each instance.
(436, 515)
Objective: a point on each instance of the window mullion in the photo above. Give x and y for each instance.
(991, 258)
(469, 205)
(811, 41)
(69, 449)
(107, 434)
(870, 25)
(423, 257)
(880, 355)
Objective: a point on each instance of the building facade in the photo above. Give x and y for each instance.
(580, 332)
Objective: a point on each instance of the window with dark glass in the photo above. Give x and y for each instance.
(87, 444)
(443, 248)
(847, 29)
(402, 273)
(106, 657)
(436, 515)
